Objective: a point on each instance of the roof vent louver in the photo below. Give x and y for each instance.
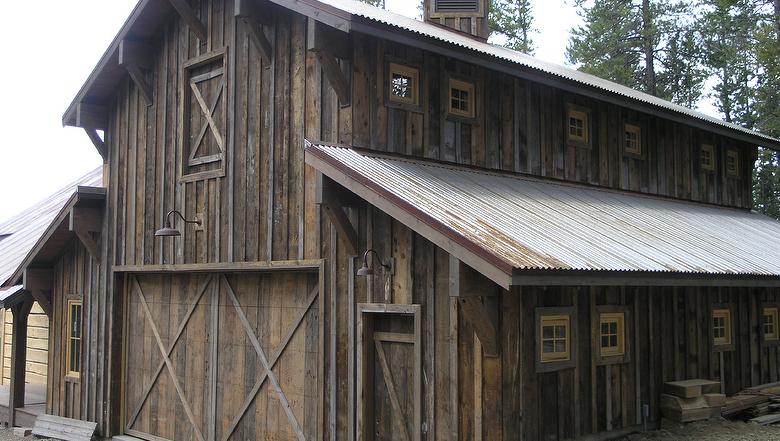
(456, 6)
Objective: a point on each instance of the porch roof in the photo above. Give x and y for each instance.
(519, 230)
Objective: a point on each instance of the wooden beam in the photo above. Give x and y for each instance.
(134, 57)
(234, 267)
(339, 219)
(83, 222)
(39, 282)
(475, 312)
(190, 18)
(93, 116)
(21, 313)
(250, 9)
(329, 44)
(99, 144)
(259, 39)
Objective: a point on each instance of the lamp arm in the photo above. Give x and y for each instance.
(378, 257)
(181, 216)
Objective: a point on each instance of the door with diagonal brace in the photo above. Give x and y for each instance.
(217, 357)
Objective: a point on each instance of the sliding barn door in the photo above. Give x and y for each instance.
(222, 357)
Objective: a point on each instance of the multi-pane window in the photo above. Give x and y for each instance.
(404, 84)
(769, 323)
(555, 341)
(73, 355)
(612, 334)
(461, 98)
(732, 163)
(577, 126)
(721, 327)
(632, 140)
(707, 157)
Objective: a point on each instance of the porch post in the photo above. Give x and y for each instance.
(21, 313)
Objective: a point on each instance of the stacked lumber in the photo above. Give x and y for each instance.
(691, 400)
(50, 426)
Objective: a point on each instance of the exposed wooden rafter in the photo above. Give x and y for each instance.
(329, 45)
(99, 144)
(135, 57)
(247, 11)
(39, 283)
(84, 222)
(190, 18)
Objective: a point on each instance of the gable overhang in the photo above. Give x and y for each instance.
(522, 231)
(90, 104)
(58, 234)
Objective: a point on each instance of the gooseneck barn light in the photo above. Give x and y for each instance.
(366, 270)
(168, 229)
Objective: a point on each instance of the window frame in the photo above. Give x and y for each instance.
(564, 315)
(712, 166)
(727, 342)
(470, 86)
(775, 313)
(585, 140)
(69, 338)
(729, 153)
(406, 69)
(637, 130)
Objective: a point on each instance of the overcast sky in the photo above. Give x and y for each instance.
(48, 55)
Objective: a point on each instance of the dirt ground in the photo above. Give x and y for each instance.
(713, 430)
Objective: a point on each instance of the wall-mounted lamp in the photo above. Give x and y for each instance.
(366, 270)
(168, 229)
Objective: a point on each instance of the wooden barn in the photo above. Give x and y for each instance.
(325, 221)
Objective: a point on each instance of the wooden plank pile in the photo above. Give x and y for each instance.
(691, 400)
(50, 426)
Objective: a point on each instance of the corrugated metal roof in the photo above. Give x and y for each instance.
(530, 223)
(26, 228)
(442, 34)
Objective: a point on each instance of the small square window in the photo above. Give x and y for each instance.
(578, 126)
(632, 140)
(555, 340)
(769, 324)
(404, 87)
(721, 327)
(732, 163)
(707, 157)
(461, 102)
(612, 334)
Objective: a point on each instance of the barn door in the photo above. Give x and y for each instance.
(389, 377)
(222, 357)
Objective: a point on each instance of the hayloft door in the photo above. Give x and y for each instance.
(389, 375)
(218, 357)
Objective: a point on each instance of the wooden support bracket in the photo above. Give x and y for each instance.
(336, 214)
(478, 303)
(188, 15)
(83, 222)
(254, 20)
(93, 116)
(99, 144)
(475, 312)
(134, 57)
(39, 282)
(329, 44)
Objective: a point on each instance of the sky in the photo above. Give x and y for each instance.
(49, 55)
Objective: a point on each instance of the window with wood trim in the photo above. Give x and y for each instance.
(555, 339)
(732, 163)
(632, 140)
(461, 98)
(769, 324)
(707, 157)
(578, 125)
(73, 350)
(721, 327)
(404, 86)
(204, 116)
(612, 334)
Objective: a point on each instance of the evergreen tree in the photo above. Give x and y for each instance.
(513, 19)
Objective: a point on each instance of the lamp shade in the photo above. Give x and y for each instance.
(365, 270)
(167, 231)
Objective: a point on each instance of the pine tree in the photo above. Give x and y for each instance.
(513, 19)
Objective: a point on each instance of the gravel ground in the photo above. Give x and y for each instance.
(7, 434)
(713, 430)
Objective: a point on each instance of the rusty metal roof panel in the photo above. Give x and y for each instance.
(530, 223)
(22, 232)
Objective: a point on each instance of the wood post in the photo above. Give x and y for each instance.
(21, 313)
